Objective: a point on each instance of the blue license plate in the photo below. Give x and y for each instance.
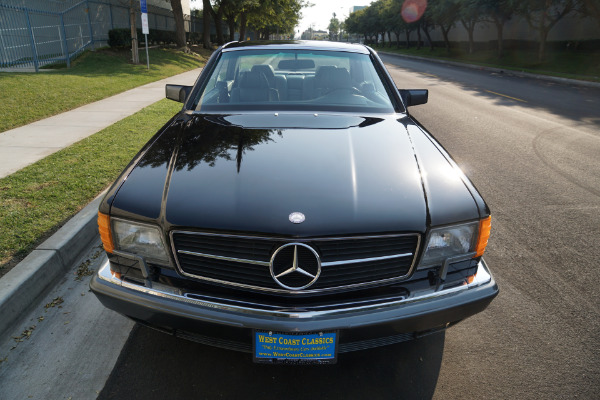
(295, 348)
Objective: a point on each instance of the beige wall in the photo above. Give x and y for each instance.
(185, 4)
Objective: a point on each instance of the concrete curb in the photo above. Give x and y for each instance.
(520, 74)
(33, 278)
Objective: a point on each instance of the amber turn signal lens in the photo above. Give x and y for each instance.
(105, 234)
(485, 226)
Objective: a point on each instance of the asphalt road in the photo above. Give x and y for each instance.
(533, 150)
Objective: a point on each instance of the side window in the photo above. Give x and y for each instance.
(220, 75)
(215, 90)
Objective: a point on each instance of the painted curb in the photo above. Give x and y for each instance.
(33, 278)
(520, 74)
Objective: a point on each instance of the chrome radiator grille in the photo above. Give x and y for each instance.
(243, 261)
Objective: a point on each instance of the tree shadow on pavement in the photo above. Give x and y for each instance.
(154, 365)
(505, 88)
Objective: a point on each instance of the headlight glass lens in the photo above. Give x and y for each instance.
(142, 240)
(448, 242)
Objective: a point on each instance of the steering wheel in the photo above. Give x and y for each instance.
(353, 90)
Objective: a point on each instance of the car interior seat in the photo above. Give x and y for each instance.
(253, 86)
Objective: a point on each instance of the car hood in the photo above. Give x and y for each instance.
(347, 175)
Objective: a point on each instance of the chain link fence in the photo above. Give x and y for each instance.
(34, 33)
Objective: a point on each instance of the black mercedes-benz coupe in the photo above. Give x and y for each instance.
(295, 210)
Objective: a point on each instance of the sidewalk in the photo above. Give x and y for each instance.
(27, 144)
(28, 282)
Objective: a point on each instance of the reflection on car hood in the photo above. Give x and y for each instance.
(347, 175)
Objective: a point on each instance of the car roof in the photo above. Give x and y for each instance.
(296, 45)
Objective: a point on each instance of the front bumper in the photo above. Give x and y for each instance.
(228, 325)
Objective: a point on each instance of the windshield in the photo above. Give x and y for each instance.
(296, 80)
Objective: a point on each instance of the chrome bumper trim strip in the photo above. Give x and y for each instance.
(238, 260)
(267, 264)
(159, 290)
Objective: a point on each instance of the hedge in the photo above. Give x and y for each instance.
(122, 37)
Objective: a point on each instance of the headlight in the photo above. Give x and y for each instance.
(447, 242)
(143, 240)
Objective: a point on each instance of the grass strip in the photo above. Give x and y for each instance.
(95, 75)
(39, 199)
(564, 64)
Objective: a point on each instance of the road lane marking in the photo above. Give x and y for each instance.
(425, 73)
(503, 95)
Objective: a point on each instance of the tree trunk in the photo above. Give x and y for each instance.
(218, 18)
(407, 32)
(219, 26)
(542, 50)
(446, 41)
(471, 45)
(470, 28)
(180, 38)
(500, 29)
(397, 39)
(206, 24)
(389, 38)
(419, 37)
(231, 23)
(426, 31)
(135, 58)
(243, 22)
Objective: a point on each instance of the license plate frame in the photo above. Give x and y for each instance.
(295, 347)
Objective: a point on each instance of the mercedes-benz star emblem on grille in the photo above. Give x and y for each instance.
(295, 266)
(297, 217)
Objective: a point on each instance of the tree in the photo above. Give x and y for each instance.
(470, 13)
(135, 58)
(392, 21)
(206, 24)
(231, 13)
(246, 7)
(353, 23)
(180, 38)
(363, 22)
(218, 17)
(542, 15)
(499, 12)
(334, 27)
(376, 16)
(235, 13)
(371, 23)
(426, 24)
(589, 8)
(280, 16)
(444, 13)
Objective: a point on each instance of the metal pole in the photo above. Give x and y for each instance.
(147, 56)
(67, 53)
(112, 25)
(33, 48)
(87, 4)
(4, 50)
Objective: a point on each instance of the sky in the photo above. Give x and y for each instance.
(319, 14)
(322, 11)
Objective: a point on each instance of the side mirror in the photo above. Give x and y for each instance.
(414, 97)
(177, 92)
